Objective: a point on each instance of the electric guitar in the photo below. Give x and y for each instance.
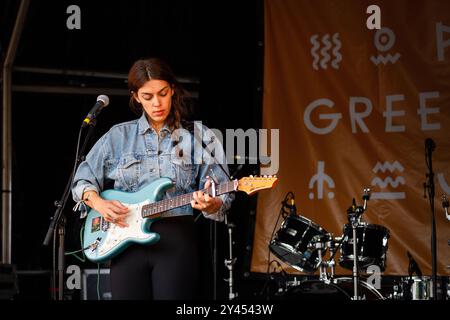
(103, 240)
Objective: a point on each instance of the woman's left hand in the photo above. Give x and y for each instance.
(204, 202)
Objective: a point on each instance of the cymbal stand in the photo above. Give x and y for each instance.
(354, 221)
(354, 217)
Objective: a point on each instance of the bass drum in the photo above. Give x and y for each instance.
(340, 289)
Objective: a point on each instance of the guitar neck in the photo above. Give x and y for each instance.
(155, 208)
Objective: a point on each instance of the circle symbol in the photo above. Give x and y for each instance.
(384, 39)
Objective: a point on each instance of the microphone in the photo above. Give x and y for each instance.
(280, 269)
(445, 205)
(102, 101)
(429, 144)
(291, 205)
(413, 266)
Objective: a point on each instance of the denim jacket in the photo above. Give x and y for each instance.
(132, 154)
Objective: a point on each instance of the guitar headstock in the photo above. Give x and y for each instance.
(252, 184)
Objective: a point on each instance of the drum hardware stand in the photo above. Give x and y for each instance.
(333, 250)
(331, 263)
(229, 263)
(354, 221)
(320, 244)
(354, 217)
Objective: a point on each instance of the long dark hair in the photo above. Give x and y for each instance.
(156, 69)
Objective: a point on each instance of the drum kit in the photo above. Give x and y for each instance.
(303, 244)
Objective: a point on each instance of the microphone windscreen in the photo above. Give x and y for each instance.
(103, 98)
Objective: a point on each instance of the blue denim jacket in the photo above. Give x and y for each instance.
(132, 155)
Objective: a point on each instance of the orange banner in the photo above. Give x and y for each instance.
(354, 107)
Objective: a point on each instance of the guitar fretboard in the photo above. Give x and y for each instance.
(167, 204)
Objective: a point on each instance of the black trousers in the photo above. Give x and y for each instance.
(167, 270)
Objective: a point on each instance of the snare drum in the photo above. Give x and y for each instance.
(371, 246)
(293, 243)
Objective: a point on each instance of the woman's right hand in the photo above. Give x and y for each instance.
(112, 210)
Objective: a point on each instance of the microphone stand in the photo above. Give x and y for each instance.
(430, 187)
(413, 268)
(58, 221)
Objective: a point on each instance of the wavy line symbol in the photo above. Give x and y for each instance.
(388, 181)
(325, 51)
(385, 59)
(388, 166)
(316, 45)
(338, 56)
